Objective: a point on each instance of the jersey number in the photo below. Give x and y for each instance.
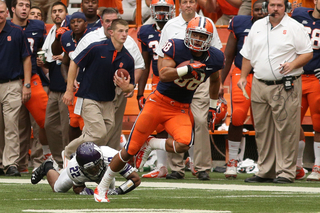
(315, 37)
(153, 45)
(191, 83)
(74, 171)
(31, 42)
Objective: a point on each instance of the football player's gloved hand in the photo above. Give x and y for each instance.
(86, 191)
(317, 73)
(211, 118)
(60, 31)
(196, 70)
(141, 101)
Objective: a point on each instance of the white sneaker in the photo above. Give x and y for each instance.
(64, 160)
(101, 196)
(157, 173)
(143, 154)
(315, 174)
(231, 169)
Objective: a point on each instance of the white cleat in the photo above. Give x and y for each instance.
(101, 196)
(315, 174)
(231, 171)
(157, 173)
(143, 154)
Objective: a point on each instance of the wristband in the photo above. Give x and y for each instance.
(181, 71)
(213, 103)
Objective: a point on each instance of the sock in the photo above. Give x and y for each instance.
(190, 151)
(161, 158)
(107, 179)
(158, 143)
(46, 149)
(242, 149)
(302, 144)
(48, 166)
(233, 149)
(316, 147)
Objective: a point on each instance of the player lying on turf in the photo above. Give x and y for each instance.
(88, 165)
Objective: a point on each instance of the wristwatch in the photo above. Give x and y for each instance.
(27, 85)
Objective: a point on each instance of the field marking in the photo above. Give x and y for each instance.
(232, 187)
(124, 210)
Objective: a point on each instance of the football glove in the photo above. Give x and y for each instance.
(86, 191)
(211, 118)
(60, 31)
(317, 73)
(196, 70)
(141, 101)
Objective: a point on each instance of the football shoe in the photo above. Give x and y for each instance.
(143, 154)
(157, 173)
(101, 196)
(315, 174)
(231, 171)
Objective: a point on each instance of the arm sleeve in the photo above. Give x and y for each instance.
(134, 51)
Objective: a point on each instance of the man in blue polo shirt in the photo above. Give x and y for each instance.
(15, 63)
(97, 91)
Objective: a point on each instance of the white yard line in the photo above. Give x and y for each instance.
(252, 187)
(126, 210)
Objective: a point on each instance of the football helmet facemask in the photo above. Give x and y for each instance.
(201, 25)
(162, 10)
(221, 112)
(90, 159)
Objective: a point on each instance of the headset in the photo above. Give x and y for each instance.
(286, 3)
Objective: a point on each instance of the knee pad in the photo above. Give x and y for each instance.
(238, 116)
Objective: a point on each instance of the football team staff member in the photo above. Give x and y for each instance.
(171, 100)
(239, 27)
(35, 108)
(113, 136)
(15, 57)
(97, 89)
(276, 48)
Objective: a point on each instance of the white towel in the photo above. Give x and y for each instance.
(47, 45)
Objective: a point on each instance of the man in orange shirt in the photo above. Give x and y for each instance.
(115, 4)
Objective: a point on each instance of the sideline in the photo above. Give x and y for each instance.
(232, 187)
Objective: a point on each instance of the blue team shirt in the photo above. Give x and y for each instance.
(69, 44)
(35, 31)
(100, 60)
(149, 37)
(304, 15)
(14, 48)
(240, 26)
(183, 90)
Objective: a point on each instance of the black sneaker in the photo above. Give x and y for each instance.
(203, 175)
(257, 179)
(282, 180)
(175, 175)
(1, 172)
(13, 171)
(39, 173)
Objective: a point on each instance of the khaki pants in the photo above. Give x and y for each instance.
(98, 120)
(10, 98)
(276, 115)
(57, 125)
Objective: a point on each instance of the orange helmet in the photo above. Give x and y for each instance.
(202, 25)
(221, 111)
(165, 11)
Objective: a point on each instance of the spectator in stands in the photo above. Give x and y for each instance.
(15, 57)
(228, 11)
(117, 4)
(243, 5)
(57, 119)
(46, 8)
(276, 90)
(239, 28)
(200, 153)
(310, 89)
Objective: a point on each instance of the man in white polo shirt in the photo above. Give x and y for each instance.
(276, 48)
(200, 153)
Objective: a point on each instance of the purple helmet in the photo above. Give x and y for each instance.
(90, 159)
